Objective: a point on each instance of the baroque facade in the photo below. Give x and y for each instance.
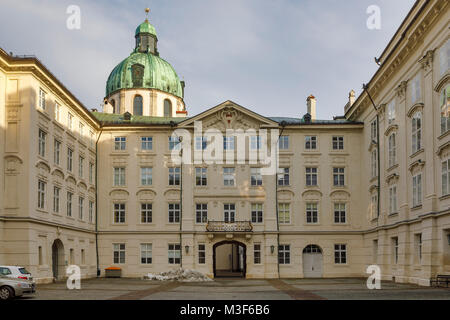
(103, 189)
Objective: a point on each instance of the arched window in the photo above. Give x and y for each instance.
(137, 105)
(392, 150)
(167, 108)
(445, 109)
(416, 132)
(113, 104)
(312, 248)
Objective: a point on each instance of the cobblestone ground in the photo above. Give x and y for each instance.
(235, 289)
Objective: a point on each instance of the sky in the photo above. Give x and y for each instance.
(266, 55)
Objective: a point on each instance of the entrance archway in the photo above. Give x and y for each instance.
(229, 259)
(312, 261)
(58, 262)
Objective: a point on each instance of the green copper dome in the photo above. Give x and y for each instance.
(145, 27)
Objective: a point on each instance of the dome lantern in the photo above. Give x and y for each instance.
(146, 38)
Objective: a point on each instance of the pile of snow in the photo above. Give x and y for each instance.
(183, 275)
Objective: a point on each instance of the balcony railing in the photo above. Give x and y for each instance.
(223, 226)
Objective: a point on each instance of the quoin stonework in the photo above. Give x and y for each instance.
(107, 189)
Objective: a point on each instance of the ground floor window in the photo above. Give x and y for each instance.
(395, 249)
(146, 253)
(201, 254)
(340, 253)
(257, 253)
(174, 253)
(119, 253)
(284, 254)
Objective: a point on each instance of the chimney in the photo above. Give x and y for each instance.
(351, 98)
(311, 106)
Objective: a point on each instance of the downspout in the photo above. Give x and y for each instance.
(96, 202)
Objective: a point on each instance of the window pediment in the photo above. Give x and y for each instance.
(390, 129)
(312, 194)
(415, 107)
(442, 82)
(340, 194)
(416, 166)
(443, 150)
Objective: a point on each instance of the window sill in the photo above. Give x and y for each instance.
(444, 135)
(445, 197)
(392, 167)
(393, 214)
(417, 153)
(416, 207)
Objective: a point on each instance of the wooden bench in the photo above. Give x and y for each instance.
(440, 279)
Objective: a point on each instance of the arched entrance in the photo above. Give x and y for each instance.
(229, 259)
(312, 261)
(58, 262)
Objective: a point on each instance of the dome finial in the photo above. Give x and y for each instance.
(147, 10)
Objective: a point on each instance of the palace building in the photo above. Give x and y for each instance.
(103, 189)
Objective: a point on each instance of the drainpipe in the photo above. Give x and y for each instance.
(366, 89)
(96, 202)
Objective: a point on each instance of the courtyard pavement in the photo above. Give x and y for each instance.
(235, 289)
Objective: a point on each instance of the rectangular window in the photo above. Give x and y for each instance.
(201, 176)
(146, 143)
(257, 253)
(91, 211)
(91, 172)
(255, 142)
(56, 194)
(146, 213)
(120, 143)
(174, 253)
(69, 121)
(69, 204)
(146, 253)
(283, 143)
(80, 207)
(312, 215)
(444, 106)
(57, 112)
(174, 212)
(415, 89)
(81, 166)
(201, 254)
(228, 177)
(201, 213)
(311, 176)
(255, 177)
(416, 132)
(119, 176)
(310, 142)
(146, 176)
(374, 163)
(417, 190)
(69, 159)
(174, 143)
(42, 95)
(375, 251)
(339, 177)
(229, 212)
(174, 176)
(338, 143)
(445, 176)
(418, 242)
(392, 150)
(340, 253)
(284, 254)
(374, 205)
(201, 143)
(228, 143)
(118, 253)
(41, 194)
(257, 212)
(444, 57)
(340, 215)
(391, 111)
(81, 130)
(56, 152)
(40, 255)
(119, 212)
(373, 131)
(83, 257)
(283, 177)
(91, 139)
(284, 215)
(395, 249)
(392, 199)
(41, 144)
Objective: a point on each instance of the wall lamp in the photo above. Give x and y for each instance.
(272, 249)
(186, 248)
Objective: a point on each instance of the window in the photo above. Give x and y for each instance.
(137, 105)
(338, 143)
(418, 244)
(283, 143)
(228, 176)
(174, 212)
(445, 177)
(146, 213)
(56, 152)
(42, 99)
(284, 213)
(56, 194)
(146, 176)
(40, 255)
(416, 133)
(174, 143)
(375, 251)
(83, 257)
(174, 253)
(201, 143)
(71, 256)
(146, 253)
(174, 176)
(201, 254)
(392, 150)
(120, 143)
(91, 139)
(57, 112)
(41, 194)
(42, 138)
(91, 211)
(373, 131)
(339, 177)
(81, 130)
(395, 249)
(201, 176)
(310, 142)
(340, 215)
(69, 159)
(80, 207)
(257, 212)
(113, 104)
(340, 253)
(284, 254)
(391, 111)
(119, 253)
(312, 213)
(283, 177)
(91, 172)
(255, 142)
(257, 253)
(229, 212)
(311, 176)
(444, 105)
(417, 190)
(119, 176)
(201, 213)
(374, 163)
(228, 143)
(255, 177)
(444, 57)
(415, 89)
(374, 205)
(167, 108)
(80, 166)
(119, 212)
(392, 199)
(69, 121)
(146, 143)
(69, 204)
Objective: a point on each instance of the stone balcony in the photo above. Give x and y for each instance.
(229, 228)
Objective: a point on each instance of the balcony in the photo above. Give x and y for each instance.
(223, 226)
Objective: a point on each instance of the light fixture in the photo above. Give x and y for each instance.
(448, 238)
(186, 248)
(272, 249)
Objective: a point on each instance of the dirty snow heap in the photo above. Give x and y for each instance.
(183, 275)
